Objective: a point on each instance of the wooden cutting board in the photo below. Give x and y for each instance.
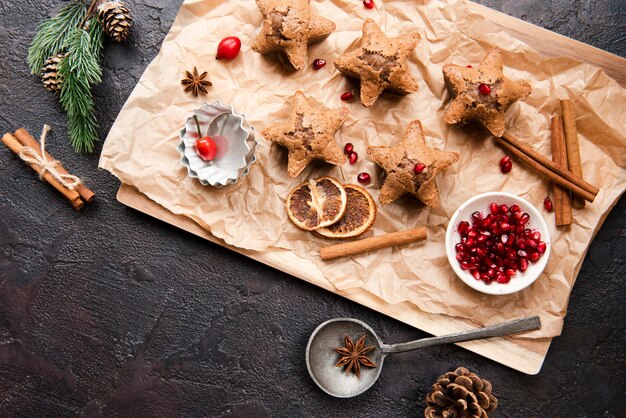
(524, 355)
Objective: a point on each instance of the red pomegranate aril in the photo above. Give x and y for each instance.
(353, 157)
(485, 279)
(348, 148)
(515, 209)
(464, 265)
(547, 204)
(519, 229)
(461, 256)
(531, 243)
(458, 247)
(419, 168)
(509, 272)
(494, 208)
(470, 243)
(468, 66)
(506, 167)
(491, 272)
(347, 96)
(475, 273)
(503, 279)
(505, 227)
(499, 248)
(319, 64)
(364, 178)
(516, 216)
(527, 232)
(477, 216)
(523, 265)
(541, 247)
(463, 226)
(472, 234)
(369, 4)
(534, 257)
(484, 89)
(481, 252)
(524, 219)
(537, 236)
(481, 239)
(522, 253)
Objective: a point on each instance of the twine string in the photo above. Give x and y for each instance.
(30, 156)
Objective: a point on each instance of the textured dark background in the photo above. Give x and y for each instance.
(97, 317)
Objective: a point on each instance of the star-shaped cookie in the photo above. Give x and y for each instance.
(308, 135)
(380, 62)
(289, 26)
(411, 167)
(482, 94)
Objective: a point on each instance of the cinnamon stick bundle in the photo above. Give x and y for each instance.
(374, 243)
(71, 195)
(563, 202)
(571, 144)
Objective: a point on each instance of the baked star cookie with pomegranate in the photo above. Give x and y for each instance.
(309, 134)
(289, 26)
(380, 63)
(482, 94)
(411, 167)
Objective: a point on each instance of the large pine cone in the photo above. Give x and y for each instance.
(460, 394)
(115, 19)
(50, 73)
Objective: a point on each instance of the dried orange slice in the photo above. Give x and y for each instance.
(359, 216)
(317, 203)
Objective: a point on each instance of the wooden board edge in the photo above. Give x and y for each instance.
(558, 46)
(526, 356)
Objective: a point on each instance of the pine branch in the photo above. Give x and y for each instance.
(51, 35)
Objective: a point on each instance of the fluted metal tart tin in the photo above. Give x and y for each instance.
(235, 139)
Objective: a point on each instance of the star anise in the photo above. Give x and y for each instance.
(353, 355)
(196, 83)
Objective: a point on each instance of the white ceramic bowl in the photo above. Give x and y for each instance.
(481, 203)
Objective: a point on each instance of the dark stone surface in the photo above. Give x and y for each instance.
(97, 319)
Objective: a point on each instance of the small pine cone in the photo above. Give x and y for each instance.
(50, 73)
(460, 394)
(115, 19)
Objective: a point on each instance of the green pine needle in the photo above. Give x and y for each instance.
(51, 35)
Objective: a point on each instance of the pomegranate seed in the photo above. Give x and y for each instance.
(472, 234)
(504, 209)
(348, 148)
(499, 248)
(419, 168)
(364, 178)
(469, 66)
(516, 216)
(494, 208)
(522, 253)
(515, 209)
(464, 265)
(491, 272)
(485, 279)
(347, 96)
(505, 227)
(461, 256)
(369, 4)
(463, 226)
(458, 247)
(319, 64)
(523, 265)
(470, 243)
(477, 216)
(475, 273)
(506, 167)
(524, 219)
(534, 257)
(503, 279)
(509, 272)
(531, 243)
(537, 236)
(481, 239)
(484, 89)
(527, 232)
(547, 204)
(353, 157)
(541, 247)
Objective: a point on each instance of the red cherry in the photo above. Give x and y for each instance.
(484, 89)
(228, 48)
(369, 4)
(319, 63)
(347, 96)
(364, 178)
(419, 168)
(547, 204)
(353, 157)
(348, 148)
(206, 148)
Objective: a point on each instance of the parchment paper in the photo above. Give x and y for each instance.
(251, 214)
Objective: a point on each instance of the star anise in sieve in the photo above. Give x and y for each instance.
(353, 355)
(196, 83)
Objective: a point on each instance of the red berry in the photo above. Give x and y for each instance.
(228, 48)
(347, 96)
(419, 168)
(364, 178)
(353, 157)
(206, 148)
(369, 4)
(348, 148)
(506, 164)
(547, 204)
(484, 89)
(319, 63)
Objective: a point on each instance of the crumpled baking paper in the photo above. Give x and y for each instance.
(251, 214)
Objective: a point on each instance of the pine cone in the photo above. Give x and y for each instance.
(50, 73)
(115, 19)
(460, 394)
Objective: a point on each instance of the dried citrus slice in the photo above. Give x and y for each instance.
(359, 216)
(317, 203)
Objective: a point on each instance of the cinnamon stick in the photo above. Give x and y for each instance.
(26, 139)
(562, 199)
(571, 143)
(374, 243)
(71, 195)
(547, 168)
